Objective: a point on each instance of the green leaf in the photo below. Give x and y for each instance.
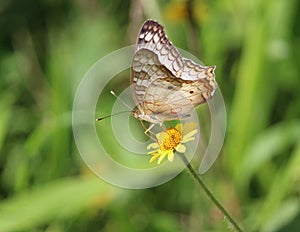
(58, 199)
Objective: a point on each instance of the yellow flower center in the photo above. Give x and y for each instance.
(172, 139)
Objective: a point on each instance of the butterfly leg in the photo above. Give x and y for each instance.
(151, 135)
(149, 129)
(163, 126)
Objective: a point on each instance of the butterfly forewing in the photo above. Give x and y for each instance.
(152, 37)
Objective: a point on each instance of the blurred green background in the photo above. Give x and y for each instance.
(46, 47)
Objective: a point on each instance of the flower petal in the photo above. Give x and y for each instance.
(179, 127)
(180, 148)
(161, 137)
(161, 157)
(188, 127)
(185, 140)
(190, 134)
(153, 158)
(170, 156)
(152, 146)
(152, 152)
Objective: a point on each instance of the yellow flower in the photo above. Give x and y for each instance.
(172, 140)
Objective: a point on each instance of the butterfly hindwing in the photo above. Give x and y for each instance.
(145, 69)
(173, 98)
(201, 74)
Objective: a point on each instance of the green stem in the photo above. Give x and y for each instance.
(210, 195)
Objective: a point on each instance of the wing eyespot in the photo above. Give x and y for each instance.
(170, 87)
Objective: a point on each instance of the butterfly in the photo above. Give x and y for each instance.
(164, 85)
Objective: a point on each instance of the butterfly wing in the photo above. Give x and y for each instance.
(166, 86)
(173, 98)
(145, 69)
(152, 37)
(155, 57)
(204, 76)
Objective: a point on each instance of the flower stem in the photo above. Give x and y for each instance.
(209, 194)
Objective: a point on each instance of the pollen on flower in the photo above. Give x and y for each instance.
(172, 139)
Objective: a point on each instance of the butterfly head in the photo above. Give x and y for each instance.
(135, 113)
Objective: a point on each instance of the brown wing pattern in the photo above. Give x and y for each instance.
(145, 69)
(153, 38)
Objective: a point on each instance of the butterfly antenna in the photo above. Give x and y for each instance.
(125, 104)
(108, 116)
